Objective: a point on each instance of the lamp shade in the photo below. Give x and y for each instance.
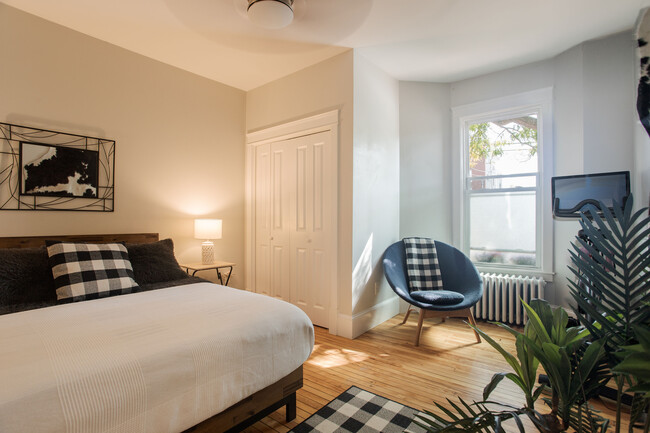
(207, 229)
(270, 14)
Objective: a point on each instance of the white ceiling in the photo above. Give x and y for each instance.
(418, 40)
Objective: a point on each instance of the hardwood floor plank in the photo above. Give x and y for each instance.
(447, 364)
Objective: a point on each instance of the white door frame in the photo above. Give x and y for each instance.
(328, 121)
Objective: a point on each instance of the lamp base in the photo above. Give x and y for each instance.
(207, 253)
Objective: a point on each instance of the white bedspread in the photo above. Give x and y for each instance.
(158, 361)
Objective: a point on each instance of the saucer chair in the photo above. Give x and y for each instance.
(458, 275)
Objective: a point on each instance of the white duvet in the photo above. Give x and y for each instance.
(158, 361)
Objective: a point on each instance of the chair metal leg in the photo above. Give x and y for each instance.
(473, 322)
(406, 316)
(417, 334)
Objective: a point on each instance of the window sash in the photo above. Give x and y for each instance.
(468, 192)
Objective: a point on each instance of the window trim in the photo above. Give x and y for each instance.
(541, 101)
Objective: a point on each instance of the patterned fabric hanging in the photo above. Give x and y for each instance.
(643, 55)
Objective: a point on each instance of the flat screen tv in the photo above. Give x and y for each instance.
(572, 193)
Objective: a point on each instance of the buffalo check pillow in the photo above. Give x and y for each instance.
(88, 271)
(422, 265)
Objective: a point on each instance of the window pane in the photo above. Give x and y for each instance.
(526, 181)
(503, 228)
(507, 146)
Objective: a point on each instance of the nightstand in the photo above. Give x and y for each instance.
(217, 266)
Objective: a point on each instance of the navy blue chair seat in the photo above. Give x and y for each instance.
(458, 275)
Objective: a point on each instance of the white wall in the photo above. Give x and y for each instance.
(179, 137)
(594, 129)
(425, 160)
(609, 103)
(376, 193)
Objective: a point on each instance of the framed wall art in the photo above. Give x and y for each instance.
(48, 170)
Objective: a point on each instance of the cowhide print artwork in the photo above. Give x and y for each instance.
(643, 54)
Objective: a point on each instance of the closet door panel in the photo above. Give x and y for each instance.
(282, 188)
(262, 206)
(311, 281)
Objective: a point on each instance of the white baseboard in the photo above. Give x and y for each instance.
(351, 326)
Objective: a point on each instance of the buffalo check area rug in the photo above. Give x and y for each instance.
(357, 410)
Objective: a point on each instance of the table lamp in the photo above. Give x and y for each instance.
(207, 229)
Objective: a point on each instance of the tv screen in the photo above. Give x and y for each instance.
(572, 193)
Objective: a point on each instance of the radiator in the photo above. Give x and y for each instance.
(501, 297)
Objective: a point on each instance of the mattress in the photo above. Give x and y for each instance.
(158, 361)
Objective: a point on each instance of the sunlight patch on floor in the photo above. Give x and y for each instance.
(336, 357)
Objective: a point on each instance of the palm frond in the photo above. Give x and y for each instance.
(472, 418)
(612, 272)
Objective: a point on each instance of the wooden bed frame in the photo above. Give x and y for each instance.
(238, 416)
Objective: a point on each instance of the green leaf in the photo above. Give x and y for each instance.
(642, 334)
(560, 320)
(496, 379)
(510, 359)
(540, 389)
(536, 322)
(641, 388)
(636, 364)
(586, 365)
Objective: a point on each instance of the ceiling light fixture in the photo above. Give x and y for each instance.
(270, 14)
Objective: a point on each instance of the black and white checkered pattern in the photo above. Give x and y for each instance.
(422, 265)
(356, 410)
(88, 271)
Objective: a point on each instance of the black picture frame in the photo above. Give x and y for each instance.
(14, 195)
(46, 169)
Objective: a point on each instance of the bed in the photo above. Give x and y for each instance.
(178, 355)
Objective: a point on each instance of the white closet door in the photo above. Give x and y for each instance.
(294, 181)
(311, 275)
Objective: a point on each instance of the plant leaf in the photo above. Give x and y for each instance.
(496, 379)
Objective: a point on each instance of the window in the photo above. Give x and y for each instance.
(504, 216)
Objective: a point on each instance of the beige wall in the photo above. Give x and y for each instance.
(179, 137)
(320, 88)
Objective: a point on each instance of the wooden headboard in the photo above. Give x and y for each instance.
(38, 241)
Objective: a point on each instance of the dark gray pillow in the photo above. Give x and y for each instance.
(438, 297)
(155, 262)
(25, 276)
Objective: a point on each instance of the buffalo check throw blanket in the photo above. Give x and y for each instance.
(422, 265)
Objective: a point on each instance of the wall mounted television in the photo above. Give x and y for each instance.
(572, 193)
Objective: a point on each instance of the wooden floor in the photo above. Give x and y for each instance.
(448, 364)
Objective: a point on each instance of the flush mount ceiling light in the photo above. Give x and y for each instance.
(270, 14)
